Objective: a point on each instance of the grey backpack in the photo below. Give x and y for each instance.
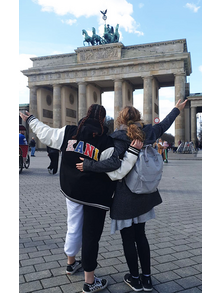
(146, 174)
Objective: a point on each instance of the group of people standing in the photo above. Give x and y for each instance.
(92, 169)
(162, 148)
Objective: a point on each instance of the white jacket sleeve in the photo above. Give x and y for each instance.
(52, 137)
(129, 159)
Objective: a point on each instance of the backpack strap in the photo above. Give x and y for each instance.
(152, 150)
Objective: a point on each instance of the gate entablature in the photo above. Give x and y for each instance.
(112, 59)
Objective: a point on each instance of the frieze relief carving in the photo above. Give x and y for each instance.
(99, 54)
(176, 66)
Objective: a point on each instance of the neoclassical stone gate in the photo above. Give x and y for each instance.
(62, 87)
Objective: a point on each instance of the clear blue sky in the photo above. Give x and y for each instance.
(48, 27)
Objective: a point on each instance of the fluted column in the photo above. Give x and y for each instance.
(117, 98)
(82, 100)
(33, 101)
(193, 125)
(57, 106)
(33, 111)
(147, 100)
(180, 80)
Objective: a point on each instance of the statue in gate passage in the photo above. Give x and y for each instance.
(109, 36)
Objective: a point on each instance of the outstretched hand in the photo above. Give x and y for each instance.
(23, 116)
(180, 105)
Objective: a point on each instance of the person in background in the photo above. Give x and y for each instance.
(165, 152)
(22, 138)
(53, 154)
(160, 147)
(32, 145)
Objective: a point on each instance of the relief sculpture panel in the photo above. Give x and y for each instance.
(98, 54)
(114, 71)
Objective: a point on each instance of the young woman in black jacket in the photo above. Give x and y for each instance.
(130, 211)
(88, 195)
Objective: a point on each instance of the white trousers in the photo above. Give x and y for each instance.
(73, 241)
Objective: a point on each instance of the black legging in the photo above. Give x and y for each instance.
(54, 157)
(132, 236)
(93, 224)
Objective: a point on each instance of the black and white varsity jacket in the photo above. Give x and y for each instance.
(89, 188)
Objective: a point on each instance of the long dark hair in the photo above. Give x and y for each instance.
(96, 112)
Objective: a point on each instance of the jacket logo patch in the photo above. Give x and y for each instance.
(70, 147)
(89, 150)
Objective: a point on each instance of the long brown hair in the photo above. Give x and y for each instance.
(96, 112)
(129, 117)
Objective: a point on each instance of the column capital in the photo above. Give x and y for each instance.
(82, 83)
(180, 74)
(33, 87)
(147, 77)
(118, 80)
(57, 85)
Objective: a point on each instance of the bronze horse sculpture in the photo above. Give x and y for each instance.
(87, 39)
(109, 36)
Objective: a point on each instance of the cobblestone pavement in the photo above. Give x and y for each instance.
(174, 236)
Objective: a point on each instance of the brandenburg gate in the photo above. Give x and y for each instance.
(62, 87)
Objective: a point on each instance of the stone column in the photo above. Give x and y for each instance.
(82, 100)
(117, 98)
(127, 94)
(33, 101)
(193, 125)
(180, 80)
(33, 111)
(147, 100)
(57, 106)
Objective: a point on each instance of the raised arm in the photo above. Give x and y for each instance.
(52, 137)
(165, 124)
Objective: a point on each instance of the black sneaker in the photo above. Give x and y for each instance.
(97, 285)
(71, 269)
(147, 283)
(135, 284)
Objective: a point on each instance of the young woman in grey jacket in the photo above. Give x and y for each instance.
(130, 211)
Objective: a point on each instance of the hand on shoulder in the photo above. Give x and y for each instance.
(137, 144)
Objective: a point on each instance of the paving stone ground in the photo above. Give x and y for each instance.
(175, 235)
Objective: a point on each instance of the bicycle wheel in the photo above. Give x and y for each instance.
(27, 162)
(20, 161)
